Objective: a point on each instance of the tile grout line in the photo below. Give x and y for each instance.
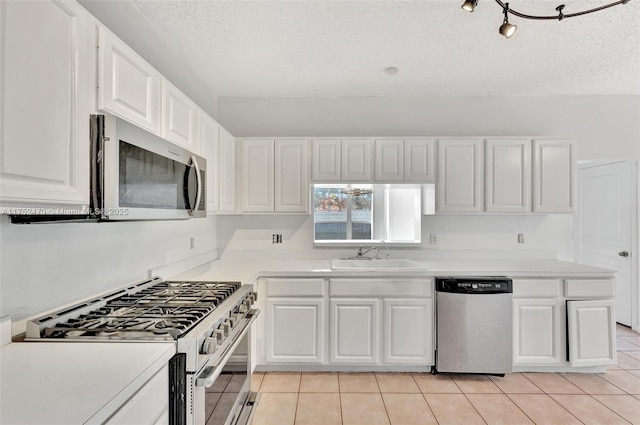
(375, 375)
(616, 413)
(553, 400)
(425, 399)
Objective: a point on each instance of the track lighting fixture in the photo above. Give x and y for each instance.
(469, 5)
(507, 29)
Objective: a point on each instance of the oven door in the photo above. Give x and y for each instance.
(221, 393)
(140, 176)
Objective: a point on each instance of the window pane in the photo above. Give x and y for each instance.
(361, 231)
(331, 231)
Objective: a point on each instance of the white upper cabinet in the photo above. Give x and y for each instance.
(257, 175)
(325, 166)
(274, 175)
(208, 137)
(47, 73)
(355, 161)
(508, 175)
(404, 160)
(460, 177)
(420, 160)
(291, 176)
(388, 160)
(554, 175)
(227, 172)
(128, 86)
(178, 117)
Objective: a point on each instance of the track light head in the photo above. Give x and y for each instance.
(507, 29)
(469, 5)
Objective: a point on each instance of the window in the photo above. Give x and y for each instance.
(343, 213)
(372, 213)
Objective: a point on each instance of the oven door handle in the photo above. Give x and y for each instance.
(210, 373)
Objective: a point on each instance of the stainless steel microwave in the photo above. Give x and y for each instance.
(136, 175)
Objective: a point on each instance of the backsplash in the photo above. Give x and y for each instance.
(457, 236)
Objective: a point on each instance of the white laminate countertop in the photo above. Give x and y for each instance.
(74, 382)
(247, 270)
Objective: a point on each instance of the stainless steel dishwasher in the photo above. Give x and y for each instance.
(474, 321)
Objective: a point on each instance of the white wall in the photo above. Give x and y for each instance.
(604, 126)
(44, 266)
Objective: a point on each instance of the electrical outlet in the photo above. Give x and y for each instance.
(192, 242)
(433, 239)
(520, 238)
(276, 238)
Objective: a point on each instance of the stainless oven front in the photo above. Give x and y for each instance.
(137, 175)
(219, 393)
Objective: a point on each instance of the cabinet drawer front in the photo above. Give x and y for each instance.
(533, 288)
(381, 287)
(295, 287)
(589, 288)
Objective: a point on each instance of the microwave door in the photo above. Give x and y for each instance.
(149, 178)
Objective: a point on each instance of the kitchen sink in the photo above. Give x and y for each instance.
(398, 264)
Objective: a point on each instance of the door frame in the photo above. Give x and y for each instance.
(635, 246)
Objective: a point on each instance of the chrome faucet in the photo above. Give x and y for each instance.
(361, 253)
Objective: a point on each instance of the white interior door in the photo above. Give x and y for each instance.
(605, 225)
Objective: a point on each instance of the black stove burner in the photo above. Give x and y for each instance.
(166, 311)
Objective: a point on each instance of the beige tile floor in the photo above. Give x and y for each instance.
(290, 398)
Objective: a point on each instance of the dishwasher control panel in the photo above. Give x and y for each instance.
(476, 285)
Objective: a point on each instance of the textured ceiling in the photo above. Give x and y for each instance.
(337, 48)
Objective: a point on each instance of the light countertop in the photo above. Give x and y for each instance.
(247, 270)
(74, 382)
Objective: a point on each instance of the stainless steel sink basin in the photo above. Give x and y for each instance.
(397, 264)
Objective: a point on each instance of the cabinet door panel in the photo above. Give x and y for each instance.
(508, 176)
(257, 175)
(178, 117)
(209, 142)
(291, 176)
(227, 171)
(47, 85)
(354, 331)
(295, 329)
(388, 160)
(356, 160)
(419, 160)
(592, 333)
(554, 175)
(408, 331)
(459, 175)
(536, 332)
(128, 86)
(325, 160)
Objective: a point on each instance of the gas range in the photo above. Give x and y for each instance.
(198, 315)
(150, 310)
(209, 321)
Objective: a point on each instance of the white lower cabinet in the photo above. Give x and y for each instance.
(563, 324)
(346, 322)
(537, 332)
(354, 330)
(408, 331)
(150, 405)
(592, 332)
(295, 330)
